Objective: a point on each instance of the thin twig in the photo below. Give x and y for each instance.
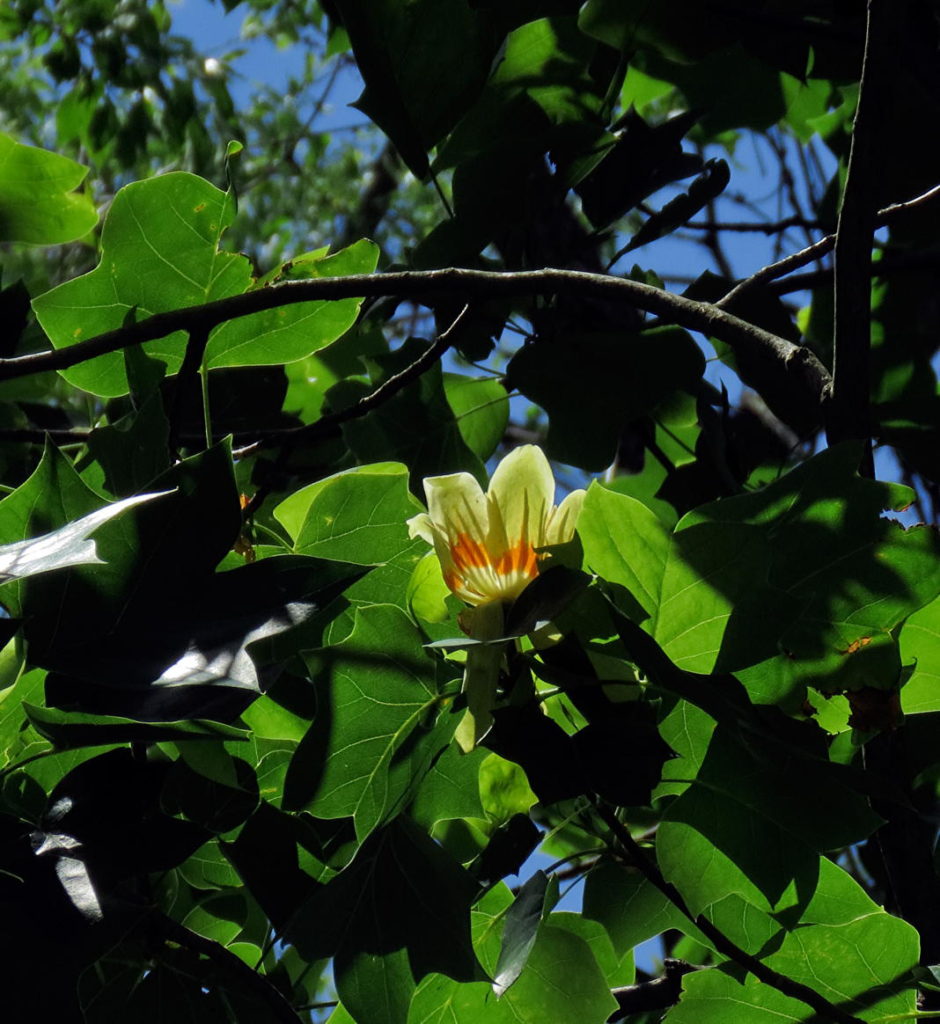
(779, 144)
(634, 856)
(890, 264)
(326, 425)
(229, 963)
(756, 227)
(817, 250)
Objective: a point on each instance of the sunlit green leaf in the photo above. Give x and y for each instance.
(807, 569)
(292, 332)
(561, 978)
(762, 849)
(359, 516)
(481, 407)
(846, 948)
(38, 201)
(631, 909)
(625, 543)
(160, 252)
(920, 645)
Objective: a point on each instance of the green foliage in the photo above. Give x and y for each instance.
(232, 669)
(37, 199)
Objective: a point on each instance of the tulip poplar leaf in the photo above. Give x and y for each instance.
(375, 734)
(160, 251)
(920, 647)
(69, 545)
(398, 913)
(39, 203)
(766, 575)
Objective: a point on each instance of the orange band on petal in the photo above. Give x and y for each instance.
(520, 558)
(486, 543)
(469, 553)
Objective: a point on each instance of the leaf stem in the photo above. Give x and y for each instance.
(206, 413)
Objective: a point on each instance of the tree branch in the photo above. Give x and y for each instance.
(634, 856)
(794, 364)
(327, 425)
(890, 264)
(754, 226)
(817, 250)
(848, 415)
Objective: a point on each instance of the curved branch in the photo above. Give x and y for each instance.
(792, 362)
(891, 264)
(633, 855)
(326, 426)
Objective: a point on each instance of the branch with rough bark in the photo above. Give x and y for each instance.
(849, 411)
(792, 364)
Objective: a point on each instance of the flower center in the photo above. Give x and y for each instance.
(479, 576)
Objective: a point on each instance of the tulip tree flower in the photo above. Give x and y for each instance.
(488, 546)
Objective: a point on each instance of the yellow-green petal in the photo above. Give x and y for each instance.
(563, 520)
(522, 492)
(420, 526)
(457, 505)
